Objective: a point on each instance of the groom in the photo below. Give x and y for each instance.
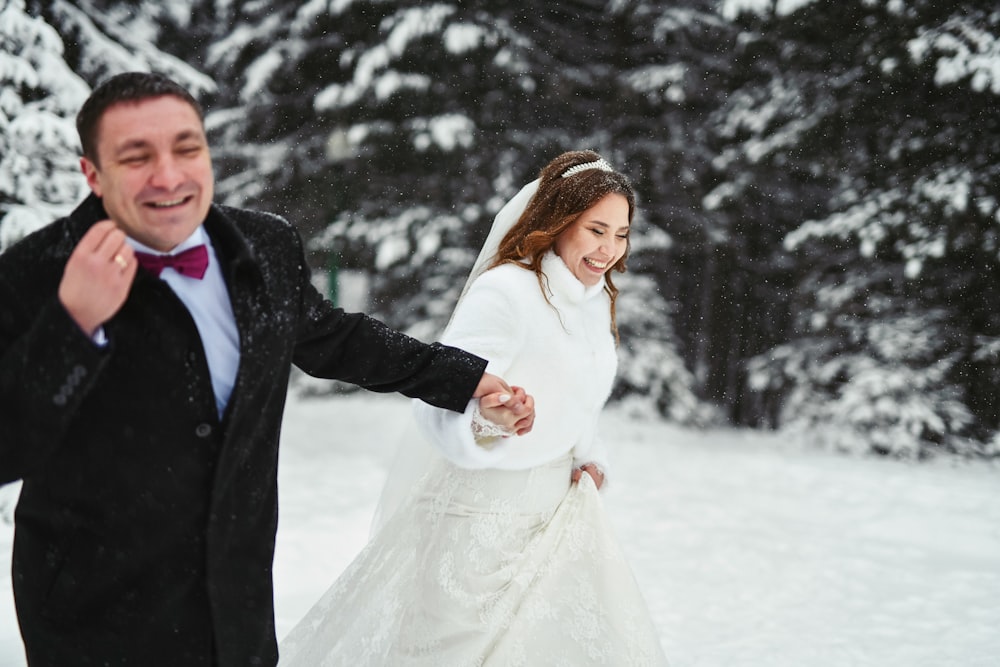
(145, 348)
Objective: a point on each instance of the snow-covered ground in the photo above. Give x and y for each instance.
(751, 551)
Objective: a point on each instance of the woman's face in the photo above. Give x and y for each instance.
(598, 239)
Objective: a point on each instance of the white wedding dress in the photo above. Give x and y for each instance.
(502, 562)
(486, 567)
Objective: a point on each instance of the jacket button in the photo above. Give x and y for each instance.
(203, 430)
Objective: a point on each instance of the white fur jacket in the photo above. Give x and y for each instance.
(563, 354)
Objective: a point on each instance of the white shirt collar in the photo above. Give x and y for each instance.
(198, 237)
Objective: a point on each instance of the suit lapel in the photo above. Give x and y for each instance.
(249, 298)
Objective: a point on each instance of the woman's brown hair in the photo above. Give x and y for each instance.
(556, 205)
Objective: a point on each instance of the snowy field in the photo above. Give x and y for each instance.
(750, 552)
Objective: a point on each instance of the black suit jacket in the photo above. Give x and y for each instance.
(144, 534)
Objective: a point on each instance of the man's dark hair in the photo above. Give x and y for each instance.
(126, 87)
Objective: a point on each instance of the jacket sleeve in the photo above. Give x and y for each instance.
(355, 348)
(486, 323)
(47, 367)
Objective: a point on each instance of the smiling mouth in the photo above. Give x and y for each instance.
(595, 264)
(168, 204)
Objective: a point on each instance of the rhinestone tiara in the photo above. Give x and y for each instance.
(601, 164)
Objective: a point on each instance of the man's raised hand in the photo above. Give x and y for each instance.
(97, 277)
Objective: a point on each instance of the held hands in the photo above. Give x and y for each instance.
(592, 470)
(513, 409)
(490, 384)
(97, 277)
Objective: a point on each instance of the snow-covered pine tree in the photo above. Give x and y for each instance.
(893, 348)
(391, 137)
(39, 96)
(679, 64)
(653, 380)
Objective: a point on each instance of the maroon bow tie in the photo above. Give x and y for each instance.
(191, 263)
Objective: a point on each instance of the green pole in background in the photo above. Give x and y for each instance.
(331, 280)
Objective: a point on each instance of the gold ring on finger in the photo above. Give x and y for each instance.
(121, 261)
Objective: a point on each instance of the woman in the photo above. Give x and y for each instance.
(499, 553)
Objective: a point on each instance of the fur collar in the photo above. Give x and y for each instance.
(562, 284)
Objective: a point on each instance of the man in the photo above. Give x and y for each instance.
(142, 406)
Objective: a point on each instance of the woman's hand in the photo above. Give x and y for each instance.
(513, 410)
(594, 472)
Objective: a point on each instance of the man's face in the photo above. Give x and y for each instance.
(155, 173)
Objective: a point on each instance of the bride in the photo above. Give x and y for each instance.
(493, 548)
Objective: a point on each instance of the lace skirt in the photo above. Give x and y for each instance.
(485, 568)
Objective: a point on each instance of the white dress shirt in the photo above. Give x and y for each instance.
(208, 302)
